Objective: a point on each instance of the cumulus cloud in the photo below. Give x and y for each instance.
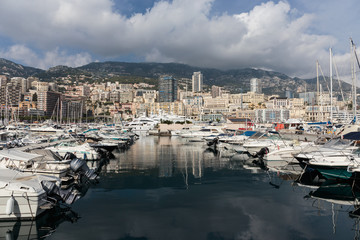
(48, 59)
(269, 36)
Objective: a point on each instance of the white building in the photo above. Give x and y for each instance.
(197, 82)
(255, 85)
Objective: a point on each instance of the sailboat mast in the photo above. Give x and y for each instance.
(331, 87)
(353, 76)
(317, 83)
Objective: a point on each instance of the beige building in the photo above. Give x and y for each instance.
(41, 86)
(297, 103)
(126, 96)
(254, 98)
(249, 114)
(217, 102)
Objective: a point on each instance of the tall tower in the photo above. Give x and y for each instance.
(197, 82)
(255, 85)
(167, 89)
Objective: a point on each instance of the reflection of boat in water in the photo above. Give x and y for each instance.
(42, 227)
(338, 193)
(342, 197)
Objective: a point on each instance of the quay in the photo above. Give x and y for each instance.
(43, 145)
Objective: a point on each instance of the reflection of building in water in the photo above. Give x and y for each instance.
(166, 158)
(142, 155)
(197, 164)
(171, 156)
(189, 160)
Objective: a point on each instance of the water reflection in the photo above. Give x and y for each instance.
(337, 198)
(168, 156)
(167, 188)
(40, 228)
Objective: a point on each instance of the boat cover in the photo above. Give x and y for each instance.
(18, 155)
(352, 136)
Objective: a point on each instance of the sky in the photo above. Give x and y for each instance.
(283, 36)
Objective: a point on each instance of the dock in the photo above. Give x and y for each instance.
(43, 145)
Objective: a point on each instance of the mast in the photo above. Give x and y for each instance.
(331, 87)
(61, 112)
(317, 82)
(353, 76)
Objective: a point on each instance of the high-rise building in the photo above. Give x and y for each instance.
(255, 85)
(167, 89)
(47, 101)
(72, 107)
(197, 82)
(215, 91)
(10, 93)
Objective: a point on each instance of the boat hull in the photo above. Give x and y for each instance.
(26, 205)
(332, 172)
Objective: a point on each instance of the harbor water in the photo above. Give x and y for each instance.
(168, 188)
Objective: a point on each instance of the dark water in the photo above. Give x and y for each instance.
(165, 188)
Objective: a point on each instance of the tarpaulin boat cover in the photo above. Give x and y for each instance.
(352, 136)
(18, 155)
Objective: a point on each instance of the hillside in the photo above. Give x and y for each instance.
(16, 70)
(237, 80)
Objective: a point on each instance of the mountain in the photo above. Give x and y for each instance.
(16, 70)
(236, 81)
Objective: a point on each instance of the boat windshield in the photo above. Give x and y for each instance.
(338, 143)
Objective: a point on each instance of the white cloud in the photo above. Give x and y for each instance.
(51, 58)
(269, 36)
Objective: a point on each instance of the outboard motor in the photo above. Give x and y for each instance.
(79, 166)
(76, 164)
(261, 153)
(214, 142)
(56, 194)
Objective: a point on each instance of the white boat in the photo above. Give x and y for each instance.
(185, 130)
(82, 151)
(141, 124)
(234, 139)
(285, 155)
(47, 130)
(21, 195)
(44, 163)
(255, 145)
(334, 148)
(209, 131)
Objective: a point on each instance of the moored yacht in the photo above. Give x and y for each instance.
(209, 131)
(22, 195)
(45, 163)
(82, 151)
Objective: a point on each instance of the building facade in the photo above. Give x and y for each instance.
(48, 101)
(255, 85)
(167, 89)
(197, 82)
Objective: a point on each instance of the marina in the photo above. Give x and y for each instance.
(164, 187)
(170, 119)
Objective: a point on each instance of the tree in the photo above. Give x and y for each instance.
(34, 97)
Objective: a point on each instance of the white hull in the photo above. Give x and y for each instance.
(90, 155)
(21, 195)
(27, 205)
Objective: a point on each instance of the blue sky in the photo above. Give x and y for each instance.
(285, 36)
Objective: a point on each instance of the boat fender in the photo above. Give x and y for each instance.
(10, 205)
